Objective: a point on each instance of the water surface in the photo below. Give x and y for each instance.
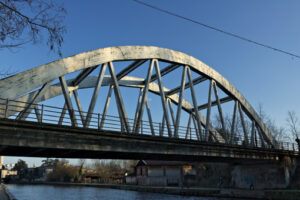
(48, 192)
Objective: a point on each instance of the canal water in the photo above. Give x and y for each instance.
(48, 192)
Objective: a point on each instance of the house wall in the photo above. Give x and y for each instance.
(5, 172)
(173, 171)
(155, 171)
(1, 162)
(131, 180)
(158, 175)
(157, 181)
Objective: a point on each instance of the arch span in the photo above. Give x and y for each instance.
(35, 85)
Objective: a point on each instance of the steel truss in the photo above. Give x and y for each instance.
(25, 90)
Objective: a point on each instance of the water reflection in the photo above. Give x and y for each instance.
(47, 192)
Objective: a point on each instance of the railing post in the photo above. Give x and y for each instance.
(42, 113)
(98, 121)
(293, 147)
(72, 117)
(159, 129)
(141, 127)
(6, 109)
(122, 125)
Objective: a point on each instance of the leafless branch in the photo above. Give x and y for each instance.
(17, 28)
(293, 123)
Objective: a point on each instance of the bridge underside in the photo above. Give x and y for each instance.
(19, 138)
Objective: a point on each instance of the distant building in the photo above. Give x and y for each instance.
(161, 173)
(178, 173)
(39, 173)
(5, 172)
(1, 162)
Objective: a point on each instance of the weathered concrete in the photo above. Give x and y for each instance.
(295, 176)
(263, 175)
(209, 174)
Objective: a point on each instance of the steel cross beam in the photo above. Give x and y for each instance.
(163, 97)
(143, 98)
(165, 71)
(186, 86)
(107, 102)
(198, 123)
(243, 124)
(188, 129)
(215, 103)
(130, 68)
(83, 74)
(171, 111)
(150, 118)
(208, 110)
(24, 114)
(233, 124)
(119, 99)
(95, 95)
(68, 100)
(75, 82)
(220, 110)
(179, 106)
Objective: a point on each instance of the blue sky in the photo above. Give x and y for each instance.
(261, 75)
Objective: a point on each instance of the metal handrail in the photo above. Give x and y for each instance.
(11, 109)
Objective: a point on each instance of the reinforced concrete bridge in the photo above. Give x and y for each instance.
(132, 102)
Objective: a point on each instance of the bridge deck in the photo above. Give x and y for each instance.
(33, 139)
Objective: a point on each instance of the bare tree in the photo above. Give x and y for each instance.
(24, 21)
(277, 132)
(293, 124)
(261, 113)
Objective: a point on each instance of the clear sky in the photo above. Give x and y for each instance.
(261, 75)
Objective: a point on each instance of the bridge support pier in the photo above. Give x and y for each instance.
(264, 175)
(289, 167)
(292, 171)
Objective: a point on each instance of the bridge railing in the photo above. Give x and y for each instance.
(40, 113)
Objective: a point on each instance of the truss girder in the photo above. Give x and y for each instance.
(16, 86)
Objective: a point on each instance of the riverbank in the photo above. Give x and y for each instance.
(185, 191)
(283, 194)
(5, 194)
